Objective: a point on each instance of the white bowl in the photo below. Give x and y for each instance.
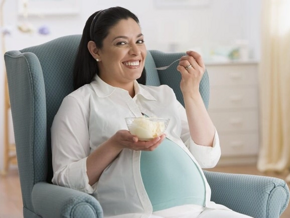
(146, 128)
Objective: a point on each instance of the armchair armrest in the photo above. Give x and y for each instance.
(256, 196)
(52, 201)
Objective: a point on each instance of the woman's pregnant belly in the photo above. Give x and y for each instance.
(171, 178)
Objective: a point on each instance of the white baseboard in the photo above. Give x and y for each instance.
(237, 160)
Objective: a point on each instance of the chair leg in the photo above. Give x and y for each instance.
(5, 167)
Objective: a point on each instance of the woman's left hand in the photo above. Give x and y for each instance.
(192, 69)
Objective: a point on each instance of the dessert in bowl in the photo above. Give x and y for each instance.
(146, 128)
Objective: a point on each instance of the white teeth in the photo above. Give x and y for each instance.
(133, 63)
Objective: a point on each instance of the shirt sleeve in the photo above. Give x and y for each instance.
(206, 156)
(70, 146)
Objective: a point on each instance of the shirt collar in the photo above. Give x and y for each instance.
(103, 89)
(140, 90)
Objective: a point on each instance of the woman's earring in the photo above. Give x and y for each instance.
(97, 59)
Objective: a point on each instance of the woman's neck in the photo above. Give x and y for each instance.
(126, 86)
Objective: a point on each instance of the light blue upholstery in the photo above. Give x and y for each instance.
(39, 77)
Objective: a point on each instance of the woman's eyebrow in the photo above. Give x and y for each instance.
(125, 37)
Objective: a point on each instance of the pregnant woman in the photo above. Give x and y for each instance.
(95, 153)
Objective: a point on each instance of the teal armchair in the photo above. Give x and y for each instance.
(40, 77)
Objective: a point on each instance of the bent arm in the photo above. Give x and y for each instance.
(109, 150)
(191, 68)
(206, 156)
(198, 131)
(201, 128)
(74, 166)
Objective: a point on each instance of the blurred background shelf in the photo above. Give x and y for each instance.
(234, 109)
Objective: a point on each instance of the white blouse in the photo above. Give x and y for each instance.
(92, 114)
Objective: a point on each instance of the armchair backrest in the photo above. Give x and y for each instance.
(39, 78)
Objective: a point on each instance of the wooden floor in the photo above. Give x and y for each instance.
(11, 202)
(10, 195)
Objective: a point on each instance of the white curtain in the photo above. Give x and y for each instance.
(275, 86)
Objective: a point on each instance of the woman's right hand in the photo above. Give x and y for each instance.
(124, 139)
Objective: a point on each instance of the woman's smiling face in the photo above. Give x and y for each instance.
(123, 54)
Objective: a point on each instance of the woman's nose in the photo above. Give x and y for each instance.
(134, 50)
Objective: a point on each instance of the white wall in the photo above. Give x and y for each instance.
(220, 23)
